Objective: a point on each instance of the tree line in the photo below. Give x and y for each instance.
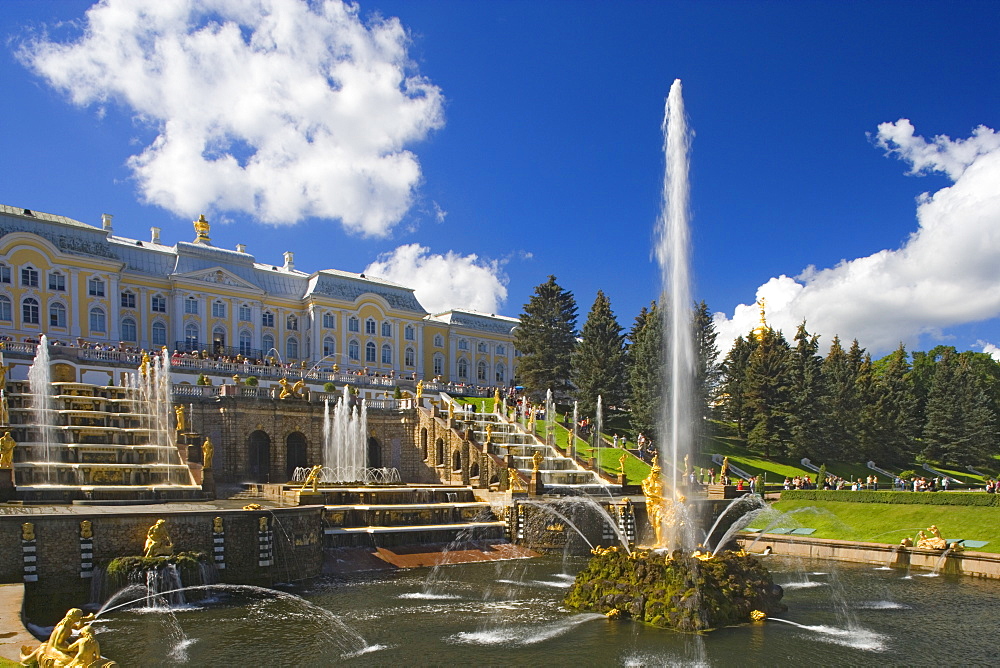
(781, 398)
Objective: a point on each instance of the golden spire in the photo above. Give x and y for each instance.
(758, 331)
(202, 227)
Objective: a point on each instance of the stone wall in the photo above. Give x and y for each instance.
(61, 564)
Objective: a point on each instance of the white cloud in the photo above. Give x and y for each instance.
(990, 349)
(946, 274)
(443, 282)
(283, 109)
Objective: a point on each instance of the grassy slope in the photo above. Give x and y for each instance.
(870, 522)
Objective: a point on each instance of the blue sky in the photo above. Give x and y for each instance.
(522, 139)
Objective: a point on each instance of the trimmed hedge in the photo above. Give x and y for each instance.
(888, 496)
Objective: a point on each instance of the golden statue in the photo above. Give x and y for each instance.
(621, 462)
(496, 399)
(27, 531)
(724, 471)
(285, 390)
(420, 389)
(144, 366)
(514, 482)
(4, 368)
(217, 525)
(201, 228)
(758, 331)
(687, 467)
(451, 410)
(61, 650)
(262, 524)
(207, 453)
(236, 379)
(312, 480)
(489, 432)
(158, 543)
(652, 489)
(758, 615)
(4, 408)
(253, 506)
(7, 445)
(181, 420)
(86, 529)
(298, 387)
(536, 460)
(932, 542)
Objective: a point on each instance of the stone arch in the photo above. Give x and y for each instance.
(374, 452)
(474, 470)
(439, 452)
(295, 452)
(456, 460)
(423, 442)
(259, 456)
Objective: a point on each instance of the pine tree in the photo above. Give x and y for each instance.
(546, 338)
(768, 394)
(840, 408)
(646, 376)
(896, 423)
(733, 394)
(708, 373)
(807, 391)
(599, 359)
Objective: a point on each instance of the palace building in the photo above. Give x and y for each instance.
(84, 285)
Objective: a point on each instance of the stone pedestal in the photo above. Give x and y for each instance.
(208, 483)
(536, 487)
(6, 484)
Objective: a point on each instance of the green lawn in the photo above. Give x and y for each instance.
(889, 523)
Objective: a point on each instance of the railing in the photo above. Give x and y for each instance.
(18, 347)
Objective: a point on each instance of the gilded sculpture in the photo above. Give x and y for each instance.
(86, 529)
(262, 524)
(652, 489)
(207, 453)
(933, 542)
(201, 228)
(536, 460)
(158, 543)
(217, 525)
(291, 391)
(420, 389)
(7, 445)
(181, 419)
(27, 531)
(621, 462)
(61, 650)
(312, 480)
(4, 408)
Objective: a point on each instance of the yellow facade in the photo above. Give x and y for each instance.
(81, 284)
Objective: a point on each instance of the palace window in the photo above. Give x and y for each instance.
(98, 320)
(245, 313)
(29, 311)
(5, 309)
(386, 328)
(95, 287)
(481, 372)
(438, 365)
(463, 344)
(4, 273)
(218, 309)
(191, 336)
(292, 323)
(57, 315)
(158, 304)
(409, 333)
(128, 300)
(268, 343)
(246, 342)
(463, 368)
(370, 352)
(501, 374)
(352, 324)
(501, 350)
(292, 348)
(370, 326)
(191, 306)
(29, 277)
(438, 341)
(329, 347)
(329, 320)
(482, 347)
(409, 357)
(159, 334)
(128, 330)
(386, 354)
(57, 281)
(354, 350)
(267, 319)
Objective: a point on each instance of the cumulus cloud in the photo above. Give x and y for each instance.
(443, 282)
(283, 109)
(990, 349)
(946, 274)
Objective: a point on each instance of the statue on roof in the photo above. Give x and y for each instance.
(201, 228)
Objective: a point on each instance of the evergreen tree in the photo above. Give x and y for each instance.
(735, 407)
(599, 359)
(807, 391)
(943, 431)
(546, 338)
(840, 408)
(708, 374)
(896, 423)
(646, 376)
(768, 394)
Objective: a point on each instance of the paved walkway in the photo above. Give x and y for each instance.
(12, 632)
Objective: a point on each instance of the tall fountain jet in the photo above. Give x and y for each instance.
(673, 252)
(344, 440)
